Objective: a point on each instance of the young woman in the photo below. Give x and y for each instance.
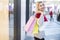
(40, 17)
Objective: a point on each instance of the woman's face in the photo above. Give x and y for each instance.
(41, 7)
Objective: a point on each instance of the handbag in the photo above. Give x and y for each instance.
(30, 24)
(35, 30)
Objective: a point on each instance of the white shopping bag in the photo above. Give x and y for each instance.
(42, 28)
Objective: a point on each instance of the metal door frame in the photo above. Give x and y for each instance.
(17, 19)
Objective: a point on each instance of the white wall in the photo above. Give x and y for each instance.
(23, 13)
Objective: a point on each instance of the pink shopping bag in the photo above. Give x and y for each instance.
(30, 24)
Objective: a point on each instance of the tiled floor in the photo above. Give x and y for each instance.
(11, 27)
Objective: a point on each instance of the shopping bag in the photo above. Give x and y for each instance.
(45, 19)
(35, 30)
(30, 25)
